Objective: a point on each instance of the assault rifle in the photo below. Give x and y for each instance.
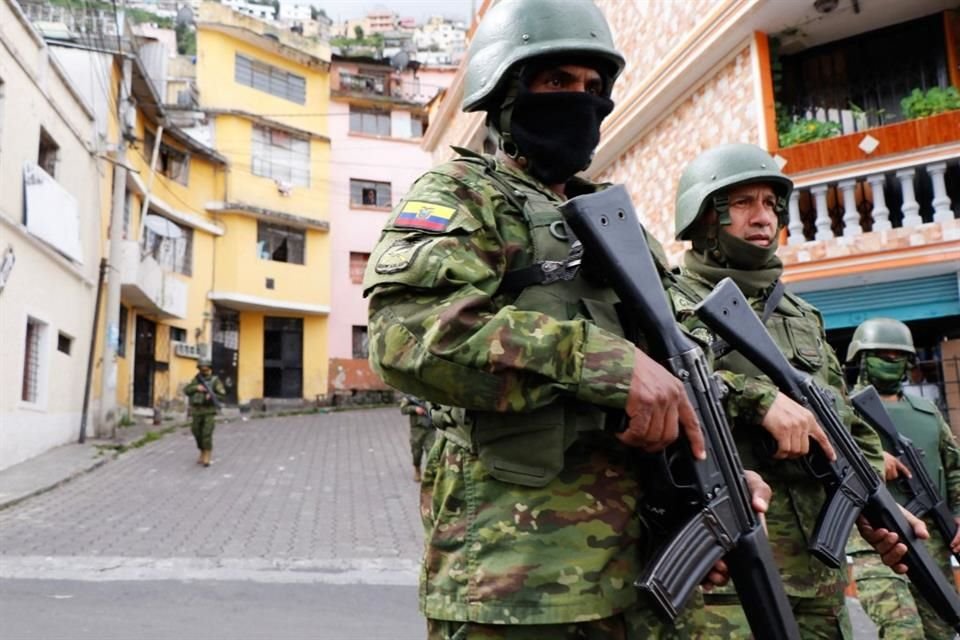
(851, 483)
(210, 392)
(710, 498)
(923, 499)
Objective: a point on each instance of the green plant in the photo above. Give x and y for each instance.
(126, 420)
(920, 104)
(807, 130)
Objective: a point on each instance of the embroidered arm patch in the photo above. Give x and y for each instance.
(417, 214)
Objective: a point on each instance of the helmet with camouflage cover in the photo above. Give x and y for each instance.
(515, 31)
(204, 362)
(881, 334)
(719, 168)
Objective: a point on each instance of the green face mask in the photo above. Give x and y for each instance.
(886, 375)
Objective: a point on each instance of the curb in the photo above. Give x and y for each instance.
(5, 504)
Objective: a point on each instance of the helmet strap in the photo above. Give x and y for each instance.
(505, 116)
(721, 202)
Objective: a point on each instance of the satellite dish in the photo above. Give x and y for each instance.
(162, 227)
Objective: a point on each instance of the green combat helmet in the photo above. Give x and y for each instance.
(514, 31)
(722, 167)
(203, 362)
(881, 334)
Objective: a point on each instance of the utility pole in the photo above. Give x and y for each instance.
(107, 425)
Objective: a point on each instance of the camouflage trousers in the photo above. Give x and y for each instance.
(629, 625)
(893, 604)
(421, 439)
(818, 618)
(202, 429)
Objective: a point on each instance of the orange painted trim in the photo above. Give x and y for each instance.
(769, 114)
(951, 26)
(871, 262)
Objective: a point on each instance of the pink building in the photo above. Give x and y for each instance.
(377, 121)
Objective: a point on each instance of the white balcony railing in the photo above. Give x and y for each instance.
(145, 284)
(859, 203)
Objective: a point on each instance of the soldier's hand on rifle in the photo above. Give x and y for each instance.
(955, 543)
(657, 407)
(420, 411)
(887, 543)
(760, 494)
(893, 468)
(792, 426)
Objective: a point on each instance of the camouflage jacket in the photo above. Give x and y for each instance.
(797, 499)
(919, 419)
(564, 546)
(199, 402)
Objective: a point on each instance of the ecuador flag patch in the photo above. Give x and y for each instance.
(417, 214)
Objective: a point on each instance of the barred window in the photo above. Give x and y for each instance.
(270, 79)
(279, 243)
(370, 121)
(173, 254)
(281, 156)
(30, 390)
(367, 193)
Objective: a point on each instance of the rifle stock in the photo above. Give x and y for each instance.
(923, 498)
(850, 481)
(718, 521)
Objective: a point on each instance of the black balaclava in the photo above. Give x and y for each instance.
(555, 132)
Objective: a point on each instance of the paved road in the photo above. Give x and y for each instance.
(305, 526)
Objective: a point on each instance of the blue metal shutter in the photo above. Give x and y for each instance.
(920, 298)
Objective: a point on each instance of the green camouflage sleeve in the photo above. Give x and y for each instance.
(191, 386)
(950, 457)
(748, 398)
(439, 330)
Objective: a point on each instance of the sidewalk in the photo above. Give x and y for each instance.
(66, 462)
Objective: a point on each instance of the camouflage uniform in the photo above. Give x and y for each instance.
(421, 429)
(529, 507)
(890, 599)
(815, 591)
(202, 409)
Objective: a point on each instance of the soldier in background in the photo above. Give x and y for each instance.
(421, 430)
(883, 350)
(203, 408)
(731, 204)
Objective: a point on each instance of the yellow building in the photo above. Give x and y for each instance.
(264, 93)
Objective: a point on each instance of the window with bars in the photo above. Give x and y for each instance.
(173, 254)
(281, 156)
(361, 342)
(30, 390)
(269, 79)
(368, 193)
(358, 264)
(280, 244)
(374, 122)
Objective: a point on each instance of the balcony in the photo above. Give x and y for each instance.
(147, 286)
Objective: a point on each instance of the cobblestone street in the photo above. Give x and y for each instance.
(330, 491)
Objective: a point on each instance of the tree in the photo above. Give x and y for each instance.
(358, 31)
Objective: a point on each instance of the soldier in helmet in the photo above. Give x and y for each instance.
(731, 204)
(529, 504)
(203, 407)
(883, 350)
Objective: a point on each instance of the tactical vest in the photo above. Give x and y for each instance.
(528, 448)
(916, 418)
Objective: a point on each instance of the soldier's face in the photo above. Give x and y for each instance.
(753, 215)
(567, 77)
(205, 371)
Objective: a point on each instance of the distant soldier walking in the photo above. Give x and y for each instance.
(421, 430)
(205, 392)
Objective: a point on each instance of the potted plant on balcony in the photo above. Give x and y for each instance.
(936, 114)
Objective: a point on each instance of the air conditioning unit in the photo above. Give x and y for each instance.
(199, 351)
